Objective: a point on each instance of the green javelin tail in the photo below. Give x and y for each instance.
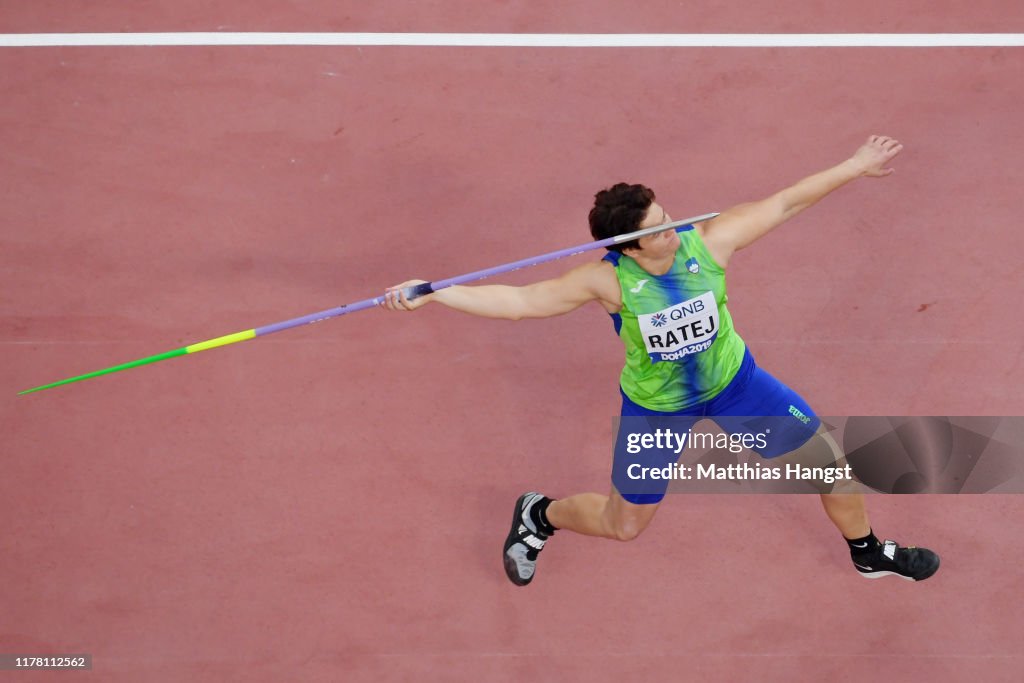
(135, 363)
(193, 348)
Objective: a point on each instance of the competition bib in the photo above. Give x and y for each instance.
(681, 329)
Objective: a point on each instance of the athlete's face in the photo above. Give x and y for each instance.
(663, 243)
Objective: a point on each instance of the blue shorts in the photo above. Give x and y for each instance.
(753, 403)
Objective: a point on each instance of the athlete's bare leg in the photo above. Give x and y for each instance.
(847, 512)
(593, 514)
(843, 503)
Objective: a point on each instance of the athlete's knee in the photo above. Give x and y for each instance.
(627, 530)
(627, 527)
(625, 520)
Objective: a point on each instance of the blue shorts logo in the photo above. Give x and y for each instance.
(692, 265)
(798, 414)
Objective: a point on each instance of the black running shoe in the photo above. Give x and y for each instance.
(888, 559)
(523, 543)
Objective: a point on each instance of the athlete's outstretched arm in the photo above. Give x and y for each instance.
(589, 282)
(744, 224)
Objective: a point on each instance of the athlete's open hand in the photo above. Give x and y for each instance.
(874, 154)
(395, 299)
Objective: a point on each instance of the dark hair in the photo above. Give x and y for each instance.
(619, 210)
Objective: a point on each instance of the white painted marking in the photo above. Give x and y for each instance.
(518, 39)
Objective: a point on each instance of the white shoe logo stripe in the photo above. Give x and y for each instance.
(530, 539)
(533, 542)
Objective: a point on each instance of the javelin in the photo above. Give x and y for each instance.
(409, 292)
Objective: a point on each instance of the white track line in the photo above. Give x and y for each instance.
(519, 39)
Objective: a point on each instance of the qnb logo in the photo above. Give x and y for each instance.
(795, 412)
(680, 312)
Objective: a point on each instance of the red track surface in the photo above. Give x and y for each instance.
(523, 16)
(328, 503)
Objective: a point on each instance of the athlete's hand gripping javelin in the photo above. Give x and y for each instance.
(395, 299)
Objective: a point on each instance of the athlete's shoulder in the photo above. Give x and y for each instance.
(596, 274)
(598, 278)
(708, 232)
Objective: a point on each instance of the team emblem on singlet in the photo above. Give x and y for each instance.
(681, 329)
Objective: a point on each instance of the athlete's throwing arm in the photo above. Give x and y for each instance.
(734, 229)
